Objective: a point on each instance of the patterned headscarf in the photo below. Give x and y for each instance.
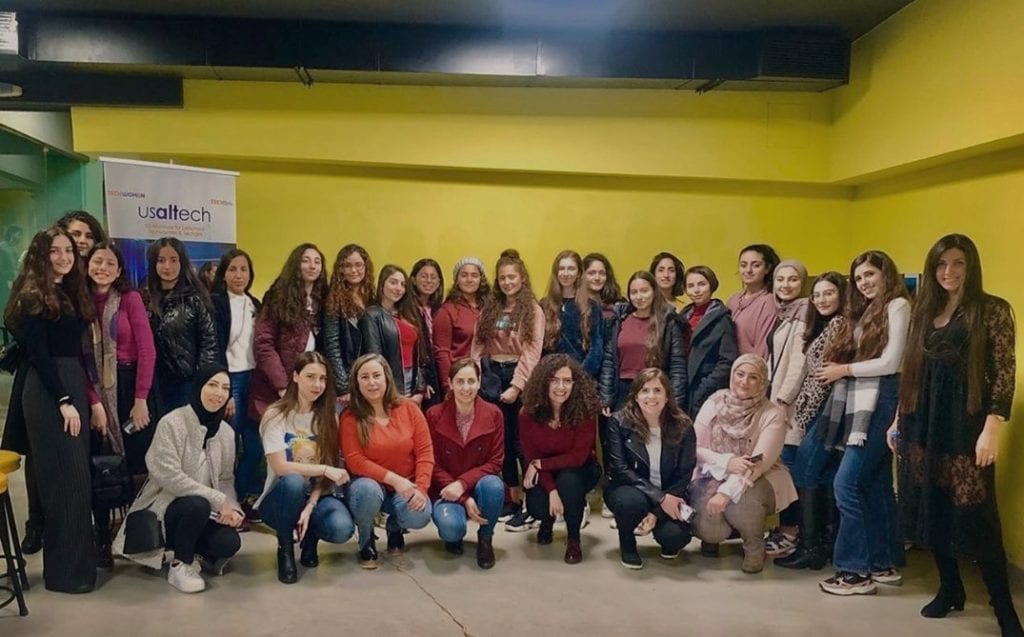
(733, 422)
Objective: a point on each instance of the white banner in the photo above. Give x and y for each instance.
(146, 200)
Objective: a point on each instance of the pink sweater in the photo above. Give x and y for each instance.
(754, 318)
(510, 343)
(134, 338)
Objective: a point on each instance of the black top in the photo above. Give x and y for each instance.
(45, 340)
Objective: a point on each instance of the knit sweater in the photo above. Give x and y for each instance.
(403, 446)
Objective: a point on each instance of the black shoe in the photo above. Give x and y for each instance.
(1009, 623)
(32, 543)
(631, 560)
(287, 573)
(546, 532)
(368, 556)
(484, 551)
(573, 552)
(944, 602)
(520, 522)
(509, 510)
(455, 548)
(708, 549)
(396, 542)
(104, 556)
(308, 557)
(811, 557)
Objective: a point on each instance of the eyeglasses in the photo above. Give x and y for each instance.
(353, 266)
(562, 382)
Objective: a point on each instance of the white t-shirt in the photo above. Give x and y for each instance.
(654, 454)
(240, 354)
(293, 435)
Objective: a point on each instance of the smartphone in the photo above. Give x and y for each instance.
(686, 512)
(755, 459)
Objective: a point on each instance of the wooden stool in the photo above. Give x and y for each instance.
(15, 573)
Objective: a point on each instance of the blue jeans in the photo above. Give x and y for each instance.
(367, 497)
(280, 510)
(867, 539)
(247, 439)
(815, 466)
(450, 517)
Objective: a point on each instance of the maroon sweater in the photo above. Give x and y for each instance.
(454, 326)
(481, 455)
(557, 449)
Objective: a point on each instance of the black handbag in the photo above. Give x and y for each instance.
(10, 357)
(112, 486)
(490, 382)
(142, 532)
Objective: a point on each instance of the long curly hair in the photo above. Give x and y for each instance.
(813, 319)
(673, 420)
(324, 425)
(611, 293)
(188, 280)
(584, 402)
(871, 315)
(660, 311)
(36, 293)
(680, 283)
(435, 300)
(406, 306)
(285, 301)
(346, 300)
(930, 302)
(552, 302)
(361, 408)
(494, 304)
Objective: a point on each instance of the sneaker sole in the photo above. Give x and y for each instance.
(632, 567)
(670, 557)
(520, 529)
(849, 592)
(891, 582)
(368, 566)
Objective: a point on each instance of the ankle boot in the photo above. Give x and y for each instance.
(811, 551)
(951, 595)
(996, 579)
(32, 543)
(308, 556)
(287, 573)
(484, 551)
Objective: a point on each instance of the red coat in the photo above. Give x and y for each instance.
(454, 327)
(481, 455)
(276, 348)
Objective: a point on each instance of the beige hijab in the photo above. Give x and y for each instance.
(734, 419)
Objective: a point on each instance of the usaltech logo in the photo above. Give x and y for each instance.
(172, 212)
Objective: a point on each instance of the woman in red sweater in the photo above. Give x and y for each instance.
(469, 447)
(455, 322)
(557, 428)
(388, 451)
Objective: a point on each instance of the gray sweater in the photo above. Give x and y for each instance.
(179, 466)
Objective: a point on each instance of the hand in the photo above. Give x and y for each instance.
(429, 393)
(530, 476)
(556, 507)
(98, 417)
(72, 421)
(417, 501)
(987, 447)
(510, 395)
(717, 504)
(417, 398)
(646, 525)
(140, 414)
(606, 412)
(404, 487)
(670, 505)
(831, 372)
(303, 524)
(453, 491)
(892, 436)
(739, 465)
(336, 475)
(229, 516)
(473, 511)
(229, 411)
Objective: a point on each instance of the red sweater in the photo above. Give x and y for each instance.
(402, 447)
(481, 455)
(454, 326)
(557, 449)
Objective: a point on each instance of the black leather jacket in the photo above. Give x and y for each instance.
(673, 359)
(627, 462)
(185, 336)
(380, 336)
(343, 344)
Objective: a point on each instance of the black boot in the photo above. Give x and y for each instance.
(811, 552)
(308, 556)
(287, 573)
(951, 595)
(993, 573)
(32, 543)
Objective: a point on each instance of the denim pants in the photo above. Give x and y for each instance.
(867, 539)
(815, 466)
(280, 510)
(367, 497)
(450, 517)
(247, 439)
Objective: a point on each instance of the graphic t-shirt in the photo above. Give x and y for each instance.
(292, 434)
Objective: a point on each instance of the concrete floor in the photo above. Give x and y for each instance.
(529, 593)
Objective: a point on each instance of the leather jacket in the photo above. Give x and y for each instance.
(673, 358)
(380, 336)
(184, 334)
(628, 464)
(343, 344)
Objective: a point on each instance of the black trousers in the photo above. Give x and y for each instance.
(631, 506)
(510, 412)
(189, 530)
(572, 486)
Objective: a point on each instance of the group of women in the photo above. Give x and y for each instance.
(486, 404)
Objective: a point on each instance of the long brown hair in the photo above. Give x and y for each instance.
(361, 408)
(659, 317)
(552, 303)
(342, 297)
(871, 315)
(36, 293)
(285, 301)
(406, 307)
(188, 280)
(610, 294)
(583, 402)
(435, 299)
(674, 421)
(324, 425)
(930, 302)
(494, 304)
(679, 286)
(813, 319)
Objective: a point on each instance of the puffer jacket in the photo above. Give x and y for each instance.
(380, 336)
(184, 333)
(712, 351)
(343, 344)
(673, 358)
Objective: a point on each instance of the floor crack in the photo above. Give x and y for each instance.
(444, 609)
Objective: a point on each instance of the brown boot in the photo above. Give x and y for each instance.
(573, 552)
(753, 555)
(484, 551)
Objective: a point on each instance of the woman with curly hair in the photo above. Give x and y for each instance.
(351, 292)
(84, 229)
(668, 271)
(557, 430)
(956, 391)
(287, 325)
(507, 344)
(455, 322)
(49, 311)
(573, 322)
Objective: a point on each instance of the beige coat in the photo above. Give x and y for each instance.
(787, 366)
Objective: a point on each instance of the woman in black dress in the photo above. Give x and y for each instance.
(956, 392)
(49, 311)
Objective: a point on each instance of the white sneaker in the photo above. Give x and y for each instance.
(186, 577)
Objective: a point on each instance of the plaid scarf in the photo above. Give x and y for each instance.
(849, 408)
